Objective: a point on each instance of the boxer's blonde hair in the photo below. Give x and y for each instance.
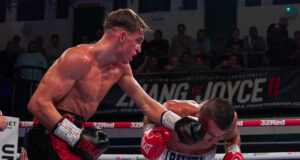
(220, 111)
(127, 19)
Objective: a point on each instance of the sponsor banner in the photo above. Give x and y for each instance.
(247, 89)
(9, 139)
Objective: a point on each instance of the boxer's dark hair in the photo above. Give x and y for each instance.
(220, 111)
(125, 18)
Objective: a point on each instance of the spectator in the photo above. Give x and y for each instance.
(254, 42)
(29, 69)
(231, 63)
(31, 65)
(186, 60)
(7, 59)
(255, 46)
(284, 22)
(150, 65)
(236, 51)
(16, 40)
(55, 50)
(218, 43)
(180, 43)
(3, 122)
(294, 59)
(98, 35)
(158, 46)
(85, 39)
(40, 44)
(200, 64)
(277, 40)
(218, 47)
(235, 40)
(200, 45)
(174, 65)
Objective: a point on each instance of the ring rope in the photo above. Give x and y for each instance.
(139, 125)
(247, 156)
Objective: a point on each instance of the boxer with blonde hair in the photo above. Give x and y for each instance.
(72, 88)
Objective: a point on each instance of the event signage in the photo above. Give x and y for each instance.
(245, 89)
(9, 140)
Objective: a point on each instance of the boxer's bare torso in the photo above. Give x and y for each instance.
(86, 94)
(82, 76)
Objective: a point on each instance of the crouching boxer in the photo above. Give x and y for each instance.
(218, 120)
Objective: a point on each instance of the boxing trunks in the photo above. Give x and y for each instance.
(171, 155)
(38, 144)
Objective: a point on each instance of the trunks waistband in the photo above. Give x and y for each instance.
(74, 118)
(172, 155)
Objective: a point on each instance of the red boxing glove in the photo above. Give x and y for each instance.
(233, 152)
(233, 156)
(154, 141)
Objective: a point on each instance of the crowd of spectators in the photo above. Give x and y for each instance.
(23, 69)
(219, 52)
(181, 54)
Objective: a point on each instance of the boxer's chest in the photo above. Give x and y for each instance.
(95, 85)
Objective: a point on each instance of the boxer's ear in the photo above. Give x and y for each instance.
(122, 36)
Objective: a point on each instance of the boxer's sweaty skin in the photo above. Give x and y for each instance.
(78, 81)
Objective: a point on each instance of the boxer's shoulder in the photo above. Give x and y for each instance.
(75, 59)
(79, 52)
(182, 103)
(182, 107)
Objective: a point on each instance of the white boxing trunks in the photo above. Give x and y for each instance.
(171, 155)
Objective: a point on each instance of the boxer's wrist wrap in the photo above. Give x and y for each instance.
(168, 119)
(67, 131)
(148, 126)
(233, 148)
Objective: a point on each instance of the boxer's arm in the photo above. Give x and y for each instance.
(149, 106)
(232, 143)
(190, 130)
(232, 136)
(55, 84)
(233, 140)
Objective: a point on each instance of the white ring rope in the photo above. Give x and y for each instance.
(247, 156)
(139, 125)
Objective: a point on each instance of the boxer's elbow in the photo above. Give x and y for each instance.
(35, 105)
(32, 105)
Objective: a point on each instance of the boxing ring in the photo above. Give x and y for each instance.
(241, 124)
